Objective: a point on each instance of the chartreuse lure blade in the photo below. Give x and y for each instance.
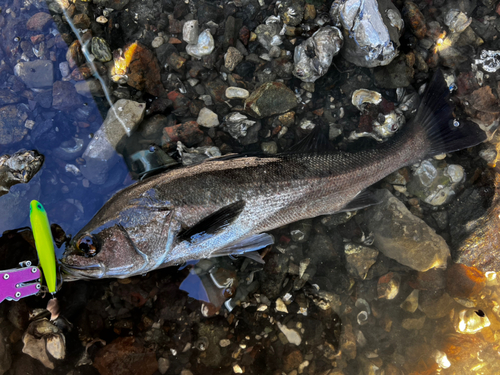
(44, 243)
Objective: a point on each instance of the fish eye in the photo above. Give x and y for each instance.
(87, 245)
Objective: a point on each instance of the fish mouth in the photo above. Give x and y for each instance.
(72, 272)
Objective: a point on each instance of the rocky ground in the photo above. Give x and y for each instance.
(110, 91)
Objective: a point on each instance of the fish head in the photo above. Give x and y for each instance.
(120, 241)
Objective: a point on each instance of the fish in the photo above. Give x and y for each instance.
(226, 205)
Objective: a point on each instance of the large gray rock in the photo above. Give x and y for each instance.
(35, 74)
(404, 237)
(100, 155)
(371, 30)
(45, 342)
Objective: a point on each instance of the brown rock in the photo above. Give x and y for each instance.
(125, 356)
(74, 55)
(81, 21)
(433, 279)
(463, 281)
(217, 90)
(179, 100)
(82, 73)
(144, 71)
(188, 133)
(292, 360)
(244, 35)
(35, 39)
(39, 21)
(175, 61)
(65, 97)
(483, 101)
(174, 25)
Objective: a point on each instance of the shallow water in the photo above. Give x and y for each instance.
(329, 299)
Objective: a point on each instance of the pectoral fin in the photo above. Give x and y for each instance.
(213, 223)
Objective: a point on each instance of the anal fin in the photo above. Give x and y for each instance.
(252, 243)
(364, 199)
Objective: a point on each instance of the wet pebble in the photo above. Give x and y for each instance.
(413, 323)
(395, 228)
(238, 124)
(236, 93)
(190, 32)
(359, 259)
(35, 74)
(89, 88)
(163, 365)
(380, 31)
(313, 57)
(457, 21)
(270, 148)
(65, 97)
(232, 58)
(144, 70)
(39, 21)
(20, 167)
(203, 47)
(45, 342)
(410, 304)
(81, 21)
(270, 99)
(207, 118)
(12, 120)
(125, 355)
(101, 50)
(188, 133)
(292, 336)
(415, 19)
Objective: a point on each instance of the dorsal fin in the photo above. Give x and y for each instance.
(314, 142)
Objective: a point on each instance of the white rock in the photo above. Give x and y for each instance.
(163, 365)
(224, 342)
(158, 41)
(190, 32)
(207, 118)
(236, 93)
(101, 19)
(291, 335)
(280, 306)
(205, 45)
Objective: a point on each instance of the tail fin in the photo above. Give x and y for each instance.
(434, 115)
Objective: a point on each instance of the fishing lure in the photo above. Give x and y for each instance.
(44, 243)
